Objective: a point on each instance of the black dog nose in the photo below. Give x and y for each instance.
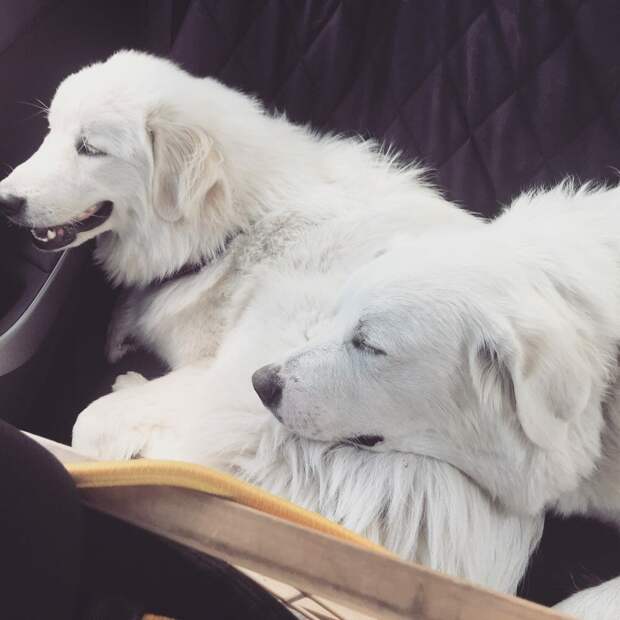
(268, 385)
(11, 205)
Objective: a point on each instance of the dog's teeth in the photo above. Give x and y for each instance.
(39, 237)
(51, 234)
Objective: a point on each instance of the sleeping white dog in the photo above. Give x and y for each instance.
(499, 356)
(233, 231)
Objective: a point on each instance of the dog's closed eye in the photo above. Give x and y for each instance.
(359, 342)
(83, 147)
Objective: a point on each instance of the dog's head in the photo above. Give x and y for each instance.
(437, 352)
(127, 150)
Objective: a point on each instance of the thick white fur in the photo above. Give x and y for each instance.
(500, 356)
(600, 602)
(190, 162)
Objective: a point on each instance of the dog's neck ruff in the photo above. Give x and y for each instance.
(191, 268)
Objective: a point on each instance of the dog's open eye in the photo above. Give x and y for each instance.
(360, 343)
(84, 148)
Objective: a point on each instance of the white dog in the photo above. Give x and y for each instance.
(234, 231)
(499, 356)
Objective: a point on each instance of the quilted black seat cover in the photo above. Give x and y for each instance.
(495, 96)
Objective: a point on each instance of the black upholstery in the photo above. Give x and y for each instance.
(493, 95)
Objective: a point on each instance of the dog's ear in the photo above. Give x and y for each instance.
(188, 170)
(544, 375)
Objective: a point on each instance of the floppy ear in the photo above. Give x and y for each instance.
(187, 167)
(545, 376)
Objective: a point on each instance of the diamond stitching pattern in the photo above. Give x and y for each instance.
(491, 94)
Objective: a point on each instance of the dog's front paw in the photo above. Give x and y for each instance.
(128, 380)
(109, 429)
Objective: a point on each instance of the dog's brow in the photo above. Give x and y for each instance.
(108, 132)
(363, 329)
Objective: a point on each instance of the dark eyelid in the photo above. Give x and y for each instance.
(84, 148)
(359, 342)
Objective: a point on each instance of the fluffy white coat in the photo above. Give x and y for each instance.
(189, 164)
(499, 356)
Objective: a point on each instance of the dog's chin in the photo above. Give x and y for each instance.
(91, 223)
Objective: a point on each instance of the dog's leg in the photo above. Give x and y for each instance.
(598, 603)
(176, 416)
(120, 425)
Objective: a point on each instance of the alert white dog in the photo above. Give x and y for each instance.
(499, 357)
(233, 231)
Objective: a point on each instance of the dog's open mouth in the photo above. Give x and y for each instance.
(57, 237)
